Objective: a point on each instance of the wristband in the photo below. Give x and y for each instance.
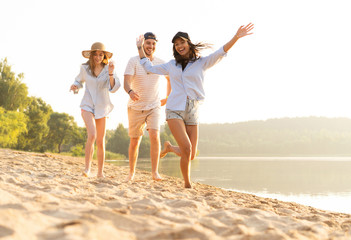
(130, 91)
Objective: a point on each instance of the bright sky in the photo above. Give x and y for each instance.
(296, 64)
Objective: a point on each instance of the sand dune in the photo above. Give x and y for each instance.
(44, 196)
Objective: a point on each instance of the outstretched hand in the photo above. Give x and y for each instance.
(140, 41)
(244, 30)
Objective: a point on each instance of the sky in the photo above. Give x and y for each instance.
(296, 64)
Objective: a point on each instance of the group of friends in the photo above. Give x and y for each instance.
(185, 90)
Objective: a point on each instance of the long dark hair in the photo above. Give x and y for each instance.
(194, 52)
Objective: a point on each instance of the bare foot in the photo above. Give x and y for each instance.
(100, 176)
(130, 178)
(187, 185)
(166, 149)
(156, 177)
(86, 173)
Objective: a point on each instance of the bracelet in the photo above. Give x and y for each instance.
(130, 91)
(139, 47)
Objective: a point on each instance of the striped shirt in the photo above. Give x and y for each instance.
(146, 85)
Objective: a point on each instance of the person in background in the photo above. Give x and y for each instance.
(186, 72)
(144, 106)
(100, 79)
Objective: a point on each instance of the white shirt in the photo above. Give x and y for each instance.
(96, 96)
(146, 85)
(188, 83)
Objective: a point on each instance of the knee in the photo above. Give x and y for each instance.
(134, 142)
(91, 137)
(100, 143)
(186, 151)
(154, 136)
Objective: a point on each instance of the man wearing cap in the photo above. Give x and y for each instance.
(144, 106)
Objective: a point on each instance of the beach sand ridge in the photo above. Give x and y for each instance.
(45, 196)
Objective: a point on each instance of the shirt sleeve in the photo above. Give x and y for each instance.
(214, 58)
(117, 83)
(130, 68)
(161, 69)
(80, 78)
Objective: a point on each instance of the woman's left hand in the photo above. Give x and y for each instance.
(163, 102)
(244, 30)
(111, 67)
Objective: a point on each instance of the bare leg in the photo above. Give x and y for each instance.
(88, 118)
(193, 133)
(154, 153)
(133, 156)
(100, 143)
(180, 134)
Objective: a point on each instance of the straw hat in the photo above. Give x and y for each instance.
(98, 46)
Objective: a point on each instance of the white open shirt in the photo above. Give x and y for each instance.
(188, 83)
(96, 97)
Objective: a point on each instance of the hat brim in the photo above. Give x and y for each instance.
(176, 37)
(86, 53)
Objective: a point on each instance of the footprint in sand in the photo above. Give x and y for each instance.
(5, 231)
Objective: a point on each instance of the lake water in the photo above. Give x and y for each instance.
(321, 182)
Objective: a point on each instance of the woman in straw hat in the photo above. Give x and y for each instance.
(100, 79)
(186, 72)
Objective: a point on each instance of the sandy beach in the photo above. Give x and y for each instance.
(45, 196)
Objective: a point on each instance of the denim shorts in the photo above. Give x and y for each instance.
(190, 116)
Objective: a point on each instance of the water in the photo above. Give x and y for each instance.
(321, 182)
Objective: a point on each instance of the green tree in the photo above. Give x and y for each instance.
(119, 141)
(13, 93)
(62, 130)
(38, 113)
(12, 124)
(78, 137)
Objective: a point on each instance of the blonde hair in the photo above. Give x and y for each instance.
(91, 62)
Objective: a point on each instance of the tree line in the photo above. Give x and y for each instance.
(284, 136)
(28, 123)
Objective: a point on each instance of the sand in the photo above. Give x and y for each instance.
(44, 196)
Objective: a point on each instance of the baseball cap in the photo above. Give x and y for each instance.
(183, 35)
(150, 35)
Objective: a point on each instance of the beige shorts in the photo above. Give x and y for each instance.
(190, 116)
(139, 118)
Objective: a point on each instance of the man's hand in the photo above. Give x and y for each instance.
(134, 96)
(140, 42)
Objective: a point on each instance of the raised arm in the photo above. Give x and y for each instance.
(161, 69)
(242, 32)
(139, 43)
